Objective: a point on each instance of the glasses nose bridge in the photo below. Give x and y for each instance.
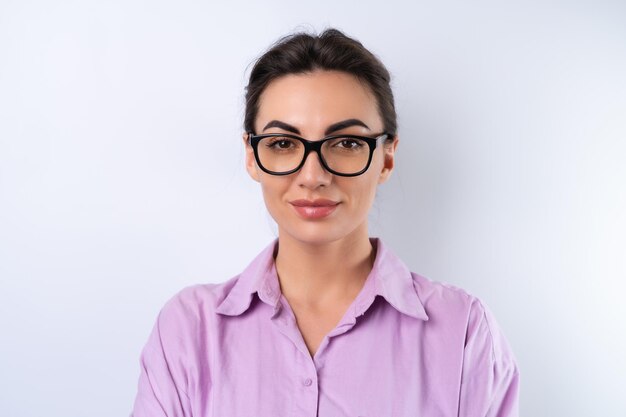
(315, 146)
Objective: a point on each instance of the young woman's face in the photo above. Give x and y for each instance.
(307, 105)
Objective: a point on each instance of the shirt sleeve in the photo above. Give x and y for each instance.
(490, 377)
(160, 391)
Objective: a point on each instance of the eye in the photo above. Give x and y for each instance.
(280, 143)
(348, 143)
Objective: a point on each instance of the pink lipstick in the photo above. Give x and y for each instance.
(314, 209)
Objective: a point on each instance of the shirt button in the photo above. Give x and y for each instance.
(308, 382)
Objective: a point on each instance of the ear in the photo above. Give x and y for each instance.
(389, 151)
(251, 166)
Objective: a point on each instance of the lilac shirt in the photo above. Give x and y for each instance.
(233, 349)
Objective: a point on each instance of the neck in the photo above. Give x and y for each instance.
(319, 274)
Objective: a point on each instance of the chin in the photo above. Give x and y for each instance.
(310, 235)
(316, 233)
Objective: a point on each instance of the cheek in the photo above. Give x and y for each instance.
(363, 192)
(273, 190)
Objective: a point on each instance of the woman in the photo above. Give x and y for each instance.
(326, 321)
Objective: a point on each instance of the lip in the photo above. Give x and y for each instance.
(320, 202)
(314, 209)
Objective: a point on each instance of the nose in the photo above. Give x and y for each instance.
(313, 174)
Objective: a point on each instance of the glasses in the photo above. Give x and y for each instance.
(344, 155)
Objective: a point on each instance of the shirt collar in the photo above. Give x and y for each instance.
(389, 278)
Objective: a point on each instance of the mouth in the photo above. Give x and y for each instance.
(314, 209)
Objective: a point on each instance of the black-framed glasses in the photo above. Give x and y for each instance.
(284, 153)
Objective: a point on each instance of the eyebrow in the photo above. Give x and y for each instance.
(330, 129)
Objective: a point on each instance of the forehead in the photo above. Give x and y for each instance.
(317, 99)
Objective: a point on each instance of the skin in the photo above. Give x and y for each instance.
(322, 263)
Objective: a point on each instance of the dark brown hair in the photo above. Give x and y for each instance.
(331, 50)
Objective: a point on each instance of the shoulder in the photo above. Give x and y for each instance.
(443, 298)
(194, 304)
(451, 305)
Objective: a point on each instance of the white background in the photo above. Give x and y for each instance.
(122, 180)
